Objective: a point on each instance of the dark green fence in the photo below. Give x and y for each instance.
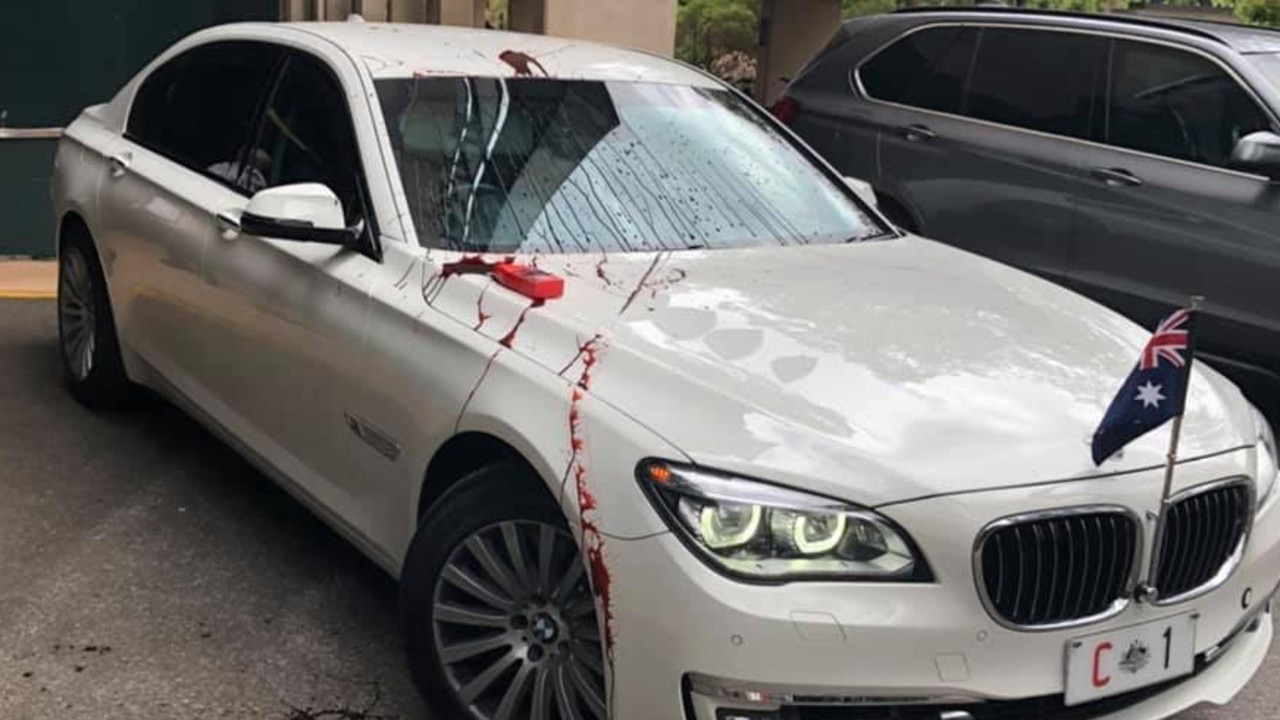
(56, 57)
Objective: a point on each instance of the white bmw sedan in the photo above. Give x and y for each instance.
(651, 415)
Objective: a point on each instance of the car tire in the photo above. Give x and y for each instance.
(87, 341)
(496, 604)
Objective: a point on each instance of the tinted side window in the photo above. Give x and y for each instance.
(925, 69)
(199, 107)
(1177, 104)
(307, 136)
(1035, 79)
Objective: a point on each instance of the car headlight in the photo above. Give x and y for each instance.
(1267, 459)
(763, 532)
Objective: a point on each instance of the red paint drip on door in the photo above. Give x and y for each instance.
(592, 539)
(510, 337)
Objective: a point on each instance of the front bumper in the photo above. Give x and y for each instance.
(856, 646)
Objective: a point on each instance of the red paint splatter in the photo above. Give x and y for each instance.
(602, 273)
(480, 380)
(592, 538)
(672, 277)
(641, 285)
(521, 62)
(471, 265)
(510, 337)
(583, 347)
(481, 315)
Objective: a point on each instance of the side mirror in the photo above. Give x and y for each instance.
(1258, 152)
(863, 190)
(309, 212)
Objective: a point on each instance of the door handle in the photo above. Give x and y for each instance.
(119, 163)
(1116, 177)
(229, 221)
(917, 133)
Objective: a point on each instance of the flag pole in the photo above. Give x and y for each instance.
(1148, 590)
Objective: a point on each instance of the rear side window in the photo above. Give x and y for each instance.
(1035, 79)
(925, 69)
(1177, 104)
(199, 107)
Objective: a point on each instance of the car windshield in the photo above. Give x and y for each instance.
(536, 165)
(1269, 65)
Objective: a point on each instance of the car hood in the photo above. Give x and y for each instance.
(875, 372)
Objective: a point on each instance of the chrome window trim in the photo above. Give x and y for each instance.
(1118, 606)
(1237, 555)
(860, 90)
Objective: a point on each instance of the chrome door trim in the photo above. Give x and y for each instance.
(855, 84)
(45, 133)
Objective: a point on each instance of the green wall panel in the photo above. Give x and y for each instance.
(58, 56)
(26, 219)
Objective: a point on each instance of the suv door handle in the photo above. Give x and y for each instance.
(1116, 177)
(119, 163)
(917, 133)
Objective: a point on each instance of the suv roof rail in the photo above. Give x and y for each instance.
(1098, 17)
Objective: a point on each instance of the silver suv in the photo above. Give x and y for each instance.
(1134, 160)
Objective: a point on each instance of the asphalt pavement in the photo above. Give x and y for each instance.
(146, 571)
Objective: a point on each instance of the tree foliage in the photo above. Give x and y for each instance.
(1254, 12)
(708, 29)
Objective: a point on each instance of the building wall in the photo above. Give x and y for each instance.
(468, 13)
(794, 31)
(645, 24)
(527, 15)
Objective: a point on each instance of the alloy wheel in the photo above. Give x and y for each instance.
(515, 626)
(76, 314)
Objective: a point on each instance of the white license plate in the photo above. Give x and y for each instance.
(1118, 661)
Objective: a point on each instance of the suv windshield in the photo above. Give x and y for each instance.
(540, 165)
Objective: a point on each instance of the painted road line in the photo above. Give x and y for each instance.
(27, 295)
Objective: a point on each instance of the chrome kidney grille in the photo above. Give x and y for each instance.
(1205, 532)
(1060, 568)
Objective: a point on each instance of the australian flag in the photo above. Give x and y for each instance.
(1156, 390)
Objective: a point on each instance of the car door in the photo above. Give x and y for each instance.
(1162, 216)
(190, 117)
(979, 126)
(285, 337)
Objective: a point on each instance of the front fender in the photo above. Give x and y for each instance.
(584, 449)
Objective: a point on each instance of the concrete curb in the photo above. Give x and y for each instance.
(28, 279)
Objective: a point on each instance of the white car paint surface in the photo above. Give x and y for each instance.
(893, 374)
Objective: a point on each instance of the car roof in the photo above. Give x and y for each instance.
(391, 50)
(1241, 38)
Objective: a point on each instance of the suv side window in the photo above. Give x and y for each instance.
(925, 69)
(1177, 104)
(198, 108)
(307, 136)
(1036, 79)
